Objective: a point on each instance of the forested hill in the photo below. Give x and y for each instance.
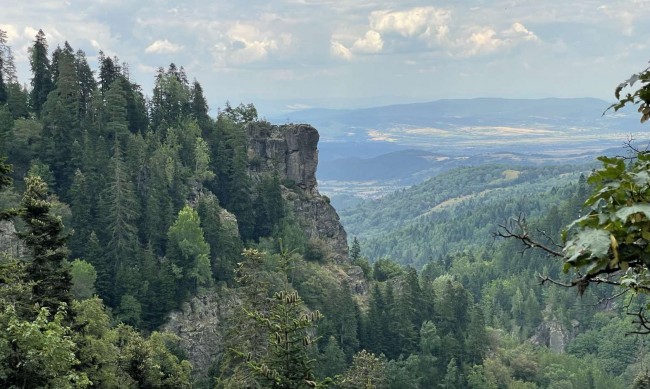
(146, 244)
(459, 209)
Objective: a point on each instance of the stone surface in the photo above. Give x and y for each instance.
(291, 151)
(9, 242)
(199, 324)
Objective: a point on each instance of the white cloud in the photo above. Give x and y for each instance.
(163, 46)
(246, 43)
(486, 40)
(412, 22)
(519, 31)
(483, 41)
(338, 50)
(12, 32)
(370, 43)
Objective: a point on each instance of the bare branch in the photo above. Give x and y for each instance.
(641, 320)
(545, 279)
(547, 237)
(517, 228)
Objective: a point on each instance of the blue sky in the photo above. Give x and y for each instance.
(289, 54)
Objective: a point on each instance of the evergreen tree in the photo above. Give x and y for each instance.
(287, 364)
(81, 204)
(61, 121)
(4, 94)
(188, 251)
(199, 108)
(45, 242)
(268, 206)
(87, 83)
(355, 250)
(367, 371)
(376, 323)
(42, 83)
(119, 212)
(116, 127)
(331, 361)
(225, 249)
(7, 137)
(109, 71)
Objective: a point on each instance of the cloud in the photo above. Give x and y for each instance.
(163, 47)
(338, 50)
(246, 43)
(485, 40)
(519, 31)
(370, 43)
(413, 22)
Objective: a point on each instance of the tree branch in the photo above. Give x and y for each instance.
(516, 228)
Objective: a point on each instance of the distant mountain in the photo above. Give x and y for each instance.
(412, 166)
(473, 125)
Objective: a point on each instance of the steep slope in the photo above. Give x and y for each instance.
(291, 152)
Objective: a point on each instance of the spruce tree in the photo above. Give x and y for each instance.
(288, 364)
(45, 242)
(61, 121)
(41, 82)
(87, 83)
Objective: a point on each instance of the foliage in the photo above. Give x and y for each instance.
(38, 353)
(287, 363)
(83, 279)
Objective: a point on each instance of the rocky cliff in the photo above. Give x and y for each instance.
(291, 152)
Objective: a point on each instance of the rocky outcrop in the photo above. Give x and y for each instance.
(553, 334)
(200, 324)
(291, 151)
(9, 242)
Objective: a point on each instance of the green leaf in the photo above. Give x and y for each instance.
(588, 242)
(625, 212)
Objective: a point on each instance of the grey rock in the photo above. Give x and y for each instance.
(291, 151)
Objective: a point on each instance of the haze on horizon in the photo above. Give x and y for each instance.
(284, 55)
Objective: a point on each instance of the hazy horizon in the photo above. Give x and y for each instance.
(285, 54)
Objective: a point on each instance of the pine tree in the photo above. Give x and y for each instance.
(109, 71)
(331, 361)
(355, 250)
(199, 108)
(87, 83)
(287, 364)
(375, 323)
(119, 213)
(42, 83)
(116, 128)
(82, 206)
(61, 121)
(45, 241)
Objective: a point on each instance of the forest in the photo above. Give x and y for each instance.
(121, 211)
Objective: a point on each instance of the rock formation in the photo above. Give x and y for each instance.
(291, 152)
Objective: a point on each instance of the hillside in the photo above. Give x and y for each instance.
(456, 210)
(146, 244)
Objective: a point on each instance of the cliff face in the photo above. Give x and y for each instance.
(291, 152)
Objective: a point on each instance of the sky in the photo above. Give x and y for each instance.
(284, 55)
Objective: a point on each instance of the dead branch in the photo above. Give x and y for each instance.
(516, 228)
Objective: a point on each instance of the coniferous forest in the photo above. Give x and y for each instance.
(144, 247)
